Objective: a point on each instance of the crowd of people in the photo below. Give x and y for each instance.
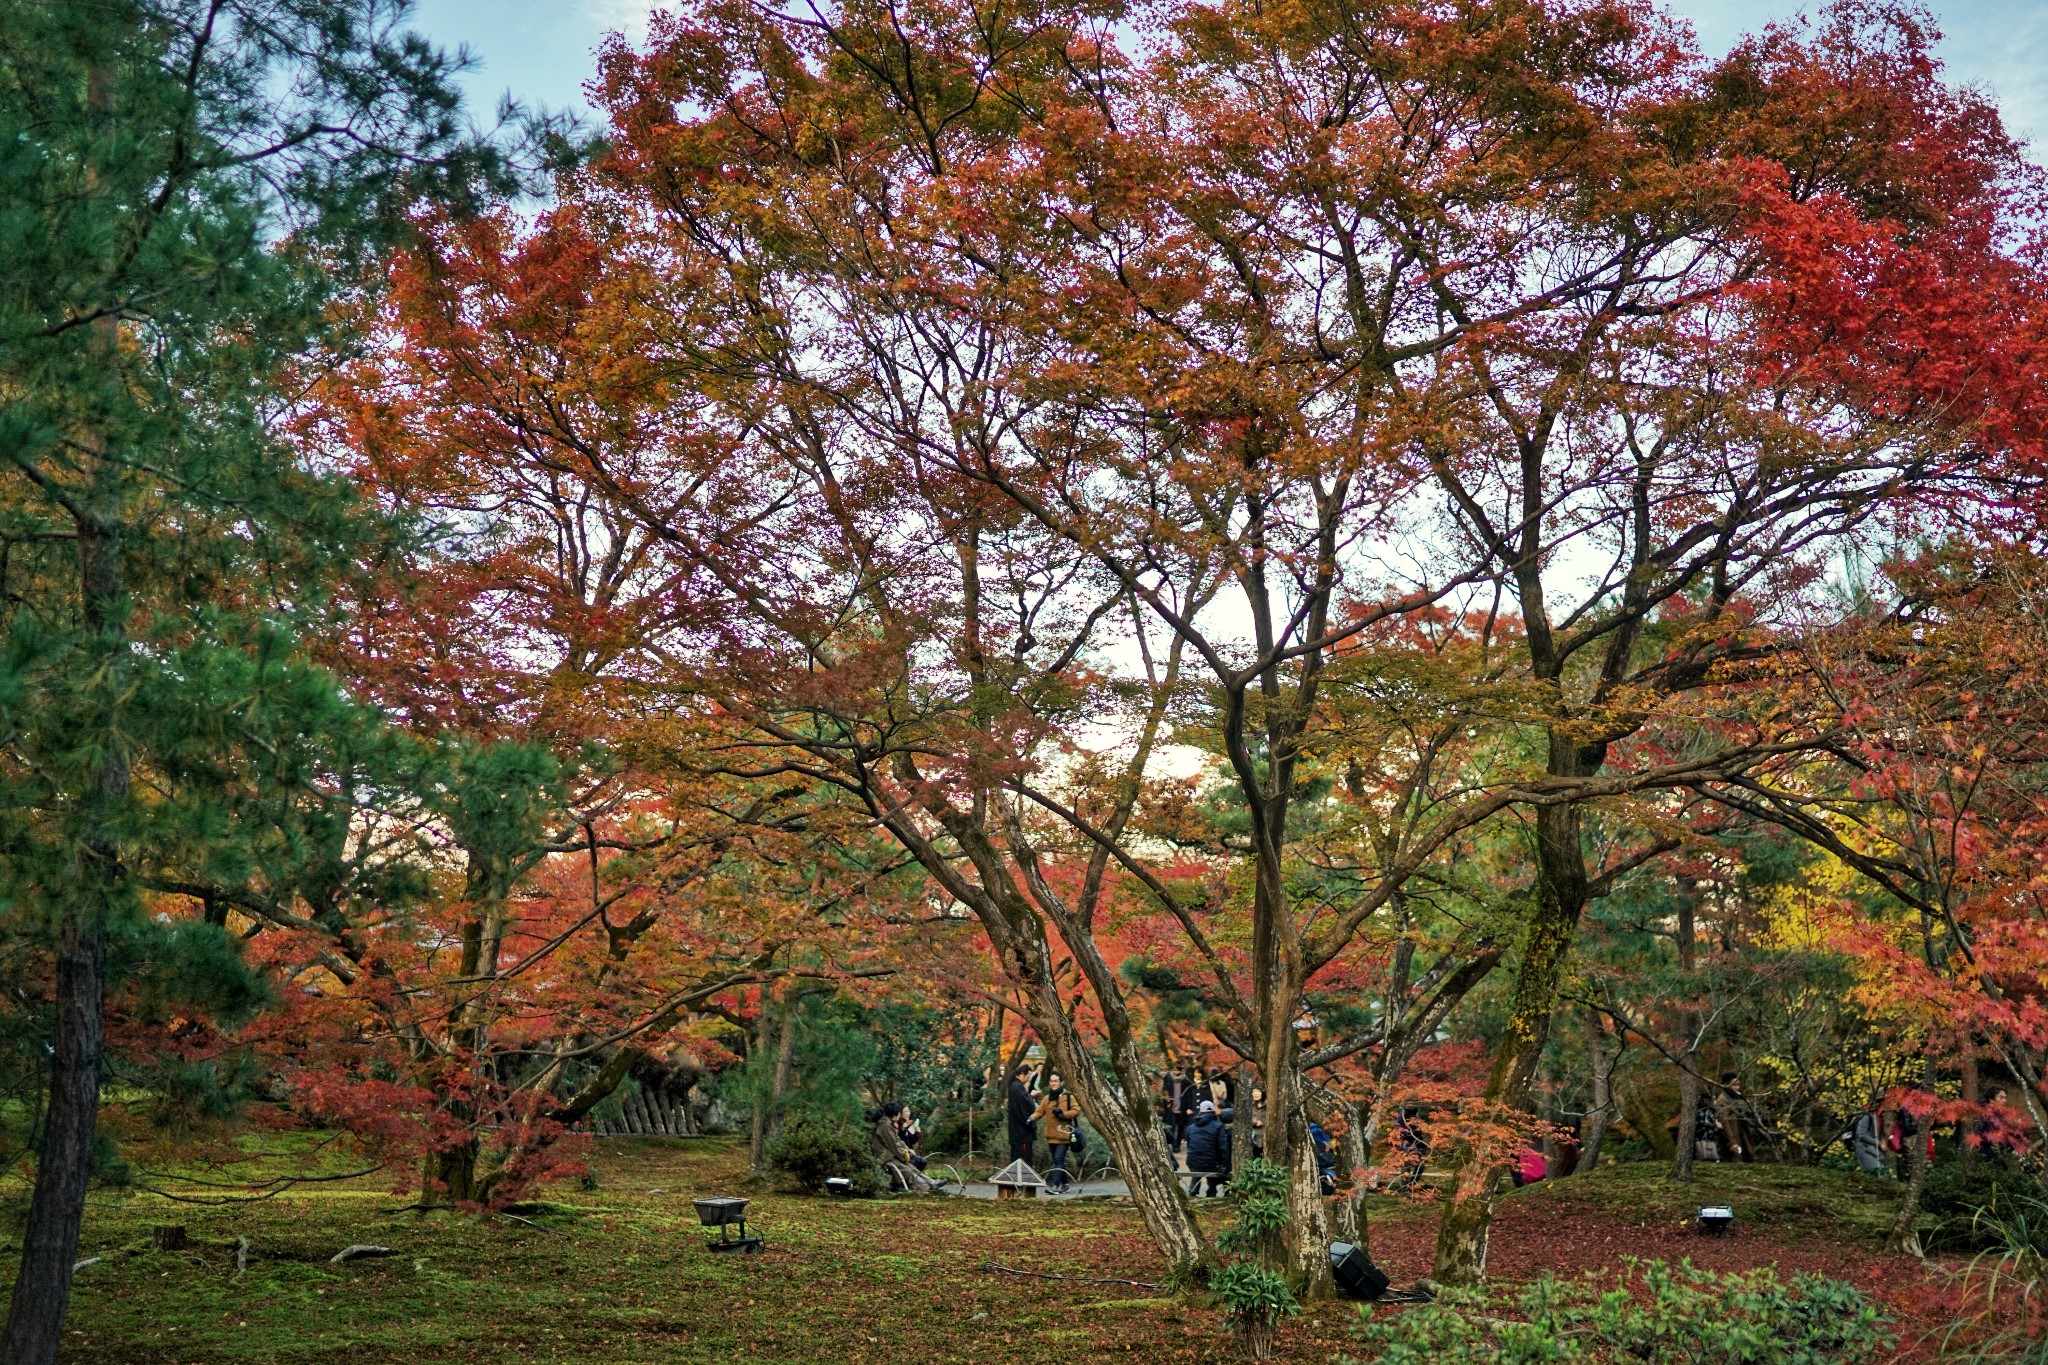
(1198, 1111)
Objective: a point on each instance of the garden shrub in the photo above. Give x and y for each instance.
(811, 1150)
(1655, 1314)
(1976, 1206)
(1252, 1293)
(948, 1137)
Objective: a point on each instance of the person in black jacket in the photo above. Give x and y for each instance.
(1022, 1105)
(1192, 1092)
(1209, 1148)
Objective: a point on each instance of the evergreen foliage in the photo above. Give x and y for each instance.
(812, 1149)
(189, 188)
(1655, 1313)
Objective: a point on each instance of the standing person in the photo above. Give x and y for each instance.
(1728, 1108)
(1866, 1142)
(1021, 1106)
(1209, 1148)
(1993, 1140)
(1219, 1091)
(1172, 1087)
(1413, 1145)
(1059, 1110)
(1191, 1096)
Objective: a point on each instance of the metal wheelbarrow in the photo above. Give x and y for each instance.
(728, 1214)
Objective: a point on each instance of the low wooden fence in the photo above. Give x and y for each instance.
(647, 1115)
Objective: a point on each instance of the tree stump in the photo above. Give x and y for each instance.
(169, 1237)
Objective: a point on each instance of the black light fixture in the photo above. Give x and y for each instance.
(839, 1185)
(1357, 1277)
(1714, 1220)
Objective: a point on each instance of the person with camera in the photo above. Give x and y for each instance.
(898, 1162)
(1060, 1111)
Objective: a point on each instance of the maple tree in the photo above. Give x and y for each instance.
(1319, 535)
(1931, 799)
(984, 383)
(614, 895)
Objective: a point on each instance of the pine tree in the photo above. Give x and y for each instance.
(187, 184)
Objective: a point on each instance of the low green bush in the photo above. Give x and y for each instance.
(1653, 1314)
(1252, 1293)
(809, 1151)
(1978, 1206)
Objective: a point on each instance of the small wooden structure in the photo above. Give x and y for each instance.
(1018, 1181)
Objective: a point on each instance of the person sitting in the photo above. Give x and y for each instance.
(1209, 1149)
(1059, 1110)
(912, 1134)
(887, 1146)
(1530, 1166)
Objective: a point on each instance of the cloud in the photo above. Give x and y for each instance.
(625, 16)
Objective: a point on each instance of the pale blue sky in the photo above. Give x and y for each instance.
(540, 50)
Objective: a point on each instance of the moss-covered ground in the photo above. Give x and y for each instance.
(619, 1273)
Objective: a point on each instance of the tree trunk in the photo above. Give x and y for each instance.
(757, 1132)
(1308, 1215)
(1242, 1127)
(1348, 1221)
(1968, 1150)
(785, 1062)
(42, 1284)
(1904, 1236)
(1120, 1110)
(1127, 1127)
(1561, 887)
(1602, 1112)
(1685, 1142)
(449, 1177)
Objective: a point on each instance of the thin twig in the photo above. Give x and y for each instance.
(1077, 1279)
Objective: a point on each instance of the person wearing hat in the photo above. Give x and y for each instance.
(1209, 1148)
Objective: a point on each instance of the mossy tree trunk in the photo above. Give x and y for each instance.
(1562, 888)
